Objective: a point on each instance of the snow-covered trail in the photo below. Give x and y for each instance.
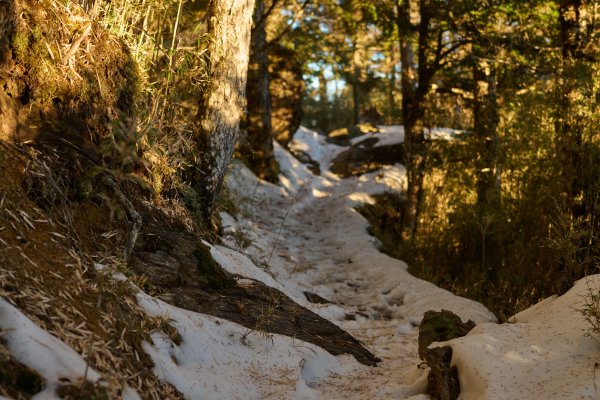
(324, 248)
(305, 236)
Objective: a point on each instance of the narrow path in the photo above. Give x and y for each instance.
(324, 248)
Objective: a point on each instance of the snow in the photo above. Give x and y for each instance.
(218, 359)
(316, 146)
(543, 353)
(324, 248)
(305, 235)
(394, 134)
(32, 346)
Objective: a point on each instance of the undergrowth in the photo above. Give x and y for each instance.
(591, 310)
(507, 260)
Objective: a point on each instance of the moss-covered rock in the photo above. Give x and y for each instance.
(442, 381)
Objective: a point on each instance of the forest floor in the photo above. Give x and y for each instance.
(307, 276)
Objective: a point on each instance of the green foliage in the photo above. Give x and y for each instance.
(591, 310)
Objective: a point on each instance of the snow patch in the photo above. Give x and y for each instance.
(544, 353)
(219, 359)
(37, 349)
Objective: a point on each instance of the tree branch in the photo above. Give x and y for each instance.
(267, 13)
(289, 26)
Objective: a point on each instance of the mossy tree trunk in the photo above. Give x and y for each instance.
(221, 107)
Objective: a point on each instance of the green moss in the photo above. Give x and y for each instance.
(439, 327)
(21, 45)
(37, 34)
(209, 269)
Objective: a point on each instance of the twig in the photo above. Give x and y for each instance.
(75, 46)
(131, 211)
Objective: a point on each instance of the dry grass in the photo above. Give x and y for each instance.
(169, 46)
(46, 275)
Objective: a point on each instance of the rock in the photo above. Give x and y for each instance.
(304, 158)
(363, 157)
(440, 327)
(343, 136)
(315, 298)
(442, 382)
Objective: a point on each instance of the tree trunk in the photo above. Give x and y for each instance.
(220, 108)
(356, 95)
(8, 22)
(258, 150)
(287, 87)
(485, 114)
(392, 86)
(415, 83)
(570, 124)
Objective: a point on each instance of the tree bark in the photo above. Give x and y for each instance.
(356, 95)
(485, 127)
(570, 125)
(392, 86)
(287, 87)
(221, 106)
(415, 83)
(8, 24)
(258, 149)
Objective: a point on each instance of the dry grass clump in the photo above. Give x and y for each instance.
(169, 46)
(591, 310)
